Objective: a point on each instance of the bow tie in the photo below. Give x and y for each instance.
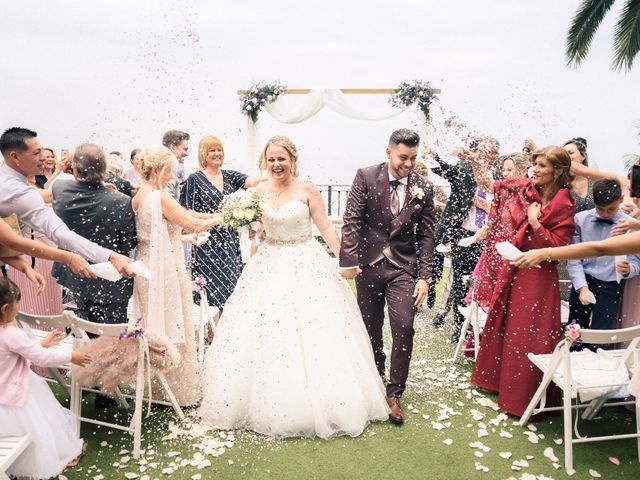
(608, 221)
(394, 184)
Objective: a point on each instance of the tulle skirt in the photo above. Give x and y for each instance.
(291, 355)
(51, 427)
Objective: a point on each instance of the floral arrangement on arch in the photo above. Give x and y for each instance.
(417, 92)
(258, 96)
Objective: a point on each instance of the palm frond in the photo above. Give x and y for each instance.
(583, 26)
(630, 160)
(627, 36)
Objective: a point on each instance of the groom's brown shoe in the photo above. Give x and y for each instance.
(396, 415)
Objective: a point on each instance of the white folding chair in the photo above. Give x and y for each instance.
(474, 317)
(10, 449)
(604, 375)
(203, 315)
(27, 321)
(80, 329)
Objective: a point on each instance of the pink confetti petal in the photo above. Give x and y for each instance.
(615, 461)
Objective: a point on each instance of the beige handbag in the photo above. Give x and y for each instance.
(12, 221)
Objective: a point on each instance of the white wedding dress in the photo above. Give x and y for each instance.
(291, 355)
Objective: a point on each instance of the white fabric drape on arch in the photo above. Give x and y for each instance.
(315, 101)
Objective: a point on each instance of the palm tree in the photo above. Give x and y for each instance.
(587, 20)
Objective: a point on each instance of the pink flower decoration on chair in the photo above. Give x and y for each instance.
(572, 332)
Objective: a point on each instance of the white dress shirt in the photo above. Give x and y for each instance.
(19, 198)
(401, 189)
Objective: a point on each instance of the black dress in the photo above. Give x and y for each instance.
(218, 260)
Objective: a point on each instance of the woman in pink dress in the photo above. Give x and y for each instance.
(27, 405)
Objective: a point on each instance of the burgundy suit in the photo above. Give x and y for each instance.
(393, 252)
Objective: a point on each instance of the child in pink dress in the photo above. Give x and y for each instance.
(27, 405)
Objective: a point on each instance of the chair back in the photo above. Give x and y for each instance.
(26, 321)
(603, 337)
(81, 327)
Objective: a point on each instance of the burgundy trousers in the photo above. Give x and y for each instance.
(382, 284)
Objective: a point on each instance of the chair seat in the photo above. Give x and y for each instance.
(593, 375)
(10, 450)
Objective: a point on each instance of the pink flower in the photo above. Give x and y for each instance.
(574, 333)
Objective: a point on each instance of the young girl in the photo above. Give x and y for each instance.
(27, 405)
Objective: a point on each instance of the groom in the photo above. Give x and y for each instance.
(387, 241)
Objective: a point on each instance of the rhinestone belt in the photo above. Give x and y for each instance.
(291, 241)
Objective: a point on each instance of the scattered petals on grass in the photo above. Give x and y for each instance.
(615, 461)
(548, 452)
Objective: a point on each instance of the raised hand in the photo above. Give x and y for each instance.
(80, 358)
(623, 268)
(584, 300)
(53, 338)
(533, 213)
(532, 258)
(121, 264)
(36, 278)
(80, 266)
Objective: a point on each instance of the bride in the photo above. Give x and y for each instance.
(291, 355)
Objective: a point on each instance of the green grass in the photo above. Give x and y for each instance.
(384, 451)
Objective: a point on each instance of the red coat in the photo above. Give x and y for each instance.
(524, 305)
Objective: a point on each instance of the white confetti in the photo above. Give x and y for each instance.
(548, 452)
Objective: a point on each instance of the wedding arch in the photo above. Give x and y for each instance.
(266, 97)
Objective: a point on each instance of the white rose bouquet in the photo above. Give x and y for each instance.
(240, 209)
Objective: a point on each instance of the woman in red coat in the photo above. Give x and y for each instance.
(524, 309)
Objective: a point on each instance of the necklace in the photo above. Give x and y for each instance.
(279, 193)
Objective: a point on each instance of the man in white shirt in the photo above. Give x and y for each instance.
(23, 156)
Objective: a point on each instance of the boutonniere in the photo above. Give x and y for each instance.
(417, 192)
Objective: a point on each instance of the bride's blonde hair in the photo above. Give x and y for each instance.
(155, 158)
(288, 145)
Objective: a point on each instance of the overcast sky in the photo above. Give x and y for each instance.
(120, 73)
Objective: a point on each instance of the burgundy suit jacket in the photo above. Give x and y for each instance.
(370, 233)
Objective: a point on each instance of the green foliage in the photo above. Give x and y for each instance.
(587, 20)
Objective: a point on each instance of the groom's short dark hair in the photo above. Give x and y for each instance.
(404, 136)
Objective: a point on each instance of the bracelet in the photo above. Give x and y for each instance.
(71, 257)
(549, 254)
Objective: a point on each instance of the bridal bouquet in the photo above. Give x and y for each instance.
(240, 209)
